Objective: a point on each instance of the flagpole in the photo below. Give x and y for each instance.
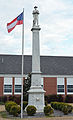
(22, 65)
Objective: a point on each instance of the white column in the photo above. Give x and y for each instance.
(35, 50)
(36, 57)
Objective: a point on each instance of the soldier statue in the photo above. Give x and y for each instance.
(35, 17)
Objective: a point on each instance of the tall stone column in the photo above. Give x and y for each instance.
(36, 92)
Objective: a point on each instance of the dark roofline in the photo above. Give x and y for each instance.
(50, 65)
(40, 55)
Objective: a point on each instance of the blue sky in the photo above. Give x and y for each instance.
(56, 22)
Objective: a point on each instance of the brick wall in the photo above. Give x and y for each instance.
(50, 85)
(1, 85)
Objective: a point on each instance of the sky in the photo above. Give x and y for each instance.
(55, 20)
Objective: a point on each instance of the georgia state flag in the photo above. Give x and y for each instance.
(17, 21)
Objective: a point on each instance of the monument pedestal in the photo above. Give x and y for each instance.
(36, 94)
(36, 98)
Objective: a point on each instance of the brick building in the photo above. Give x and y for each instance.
(57, 74)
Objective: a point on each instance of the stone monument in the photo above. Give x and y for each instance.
(36, 92)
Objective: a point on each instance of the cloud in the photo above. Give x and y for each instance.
(56, 22)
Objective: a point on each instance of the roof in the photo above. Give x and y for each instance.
(50, 65)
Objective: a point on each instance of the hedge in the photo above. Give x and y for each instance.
(31, 110)
(25, 103)
(48, 110)
(69, 99)
(12, 108)
(54, 98)
(3, 99)
(64, 107)
(8, 105)
(16, 99)
(15, 110)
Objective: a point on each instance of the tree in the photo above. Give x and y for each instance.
(26, 87)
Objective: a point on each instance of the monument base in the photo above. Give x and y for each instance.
(36, 97)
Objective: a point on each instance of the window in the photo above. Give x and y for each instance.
(7, 88)
(18, 88)
(69, 85)
(18, 85)
(7, 85)
(69, 88)
(60, 86)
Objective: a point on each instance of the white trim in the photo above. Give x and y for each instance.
(8, 93)
(12, 75)
(18, 81)
(60, 93)
(17, 93)
(71, 83)
(63, 93)
(60, 81)
(63, 76)
(9, 82)
(69, 93)
(25, 75)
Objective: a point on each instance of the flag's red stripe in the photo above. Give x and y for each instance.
(19, 22)
(9, 30)
(12, 21)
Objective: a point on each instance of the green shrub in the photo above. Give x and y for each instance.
(16, 99)
(48, 110)
(46, 103)
(25, 103)
(31, 110)
(52, 98)
(11, 98)
(69, 99)
(60, 98)
(25, 97)
(65, 110)
(52, 104)
(19, 109)
(1, 103)
(8, 105)
(70, 108)
(0, 99)
(46, 98)
(14, 110)
(3, 99)
(64, 107)
(60, 106)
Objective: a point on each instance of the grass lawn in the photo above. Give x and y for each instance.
(3, 116)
